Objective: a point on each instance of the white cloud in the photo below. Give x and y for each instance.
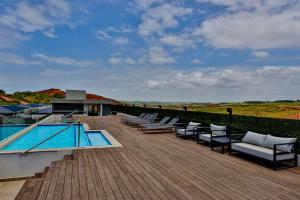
(130, 61)
(16, 59)
(30, 18)
(119, 60)
(253, 24)
(102, 35)
(19, 20)
(121, 40)
(230, 78)
(157, 55)
(260, 54)
(66, 60)
(197, 61)
(180, 41)
(122, 29)
(114, 60)
(50, 33)
(153, 84)
(160, 17)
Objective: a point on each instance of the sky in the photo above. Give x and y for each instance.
(153, 50)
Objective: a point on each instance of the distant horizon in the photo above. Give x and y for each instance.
(157, 101)
(189, 51)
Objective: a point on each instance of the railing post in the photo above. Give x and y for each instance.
(78, 145)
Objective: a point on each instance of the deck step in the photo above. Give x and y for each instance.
(68, 157)
(45, 172)
(38, 175)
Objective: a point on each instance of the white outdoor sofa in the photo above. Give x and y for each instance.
(267, 147)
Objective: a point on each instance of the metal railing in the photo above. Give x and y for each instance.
(69, 115)
(63, 118)
(55, 134)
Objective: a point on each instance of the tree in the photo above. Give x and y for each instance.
(2, 91)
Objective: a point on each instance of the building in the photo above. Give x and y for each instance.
(87, 104)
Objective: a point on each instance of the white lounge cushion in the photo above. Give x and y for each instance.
(254, 138)
(192, 125)
(206, 137)
(271, 140)
(218, 130)
(261, 152)
(182, 131)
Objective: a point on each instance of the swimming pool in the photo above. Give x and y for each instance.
(66, 139)
(8, 130)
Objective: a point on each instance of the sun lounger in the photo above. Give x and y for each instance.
(138, 117)
(161, 128)
(150, 119)
(145, 117)
(163, 121)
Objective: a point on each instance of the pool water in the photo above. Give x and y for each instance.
(8, 130)
(66, 139)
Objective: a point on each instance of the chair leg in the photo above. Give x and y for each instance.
(274, 165)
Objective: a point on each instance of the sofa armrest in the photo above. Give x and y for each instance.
(289, 143)
(234, 138)
(180, 125)
(202, 129)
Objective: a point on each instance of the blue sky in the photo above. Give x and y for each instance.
(179, 50)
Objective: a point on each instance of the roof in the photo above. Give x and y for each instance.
(43, 111)
(108, 101)
(5, 111)
(32, 105)
(14, 108)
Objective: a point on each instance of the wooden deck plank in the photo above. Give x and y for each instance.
(75, 179)
(59, 189)
(106, 187)
(160, 167)
(83, 192)
(99, 187)
(89, 178)
(67, 187)
(52, 185)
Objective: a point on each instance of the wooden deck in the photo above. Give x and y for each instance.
(160, 166)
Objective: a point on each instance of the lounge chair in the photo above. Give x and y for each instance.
(163, 121)
(150, 119)
(161, 128)
(138, 117)
(187, 130)
(276, 150)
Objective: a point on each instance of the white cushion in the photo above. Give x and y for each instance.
(205, 137)
(261, 152)
(218, 130)
(192, 125)
(271, 140)
(181, 131)
(254, 138)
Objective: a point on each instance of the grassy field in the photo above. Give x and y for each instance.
(286, 110)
